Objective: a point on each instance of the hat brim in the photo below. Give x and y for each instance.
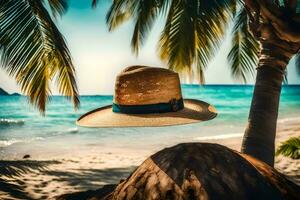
(194, 111)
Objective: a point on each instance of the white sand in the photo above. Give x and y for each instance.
(98, 166)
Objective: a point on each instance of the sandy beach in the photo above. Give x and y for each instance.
(98, 166)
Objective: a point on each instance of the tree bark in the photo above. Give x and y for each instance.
(259, 137)
(279, 36)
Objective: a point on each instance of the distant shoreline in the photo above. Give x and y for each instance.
(5, 93)
(182, 85)
(233, 85)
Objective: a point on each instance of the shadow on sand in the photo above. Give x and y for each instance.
(9, 170)
(86, 179)
(13, 184)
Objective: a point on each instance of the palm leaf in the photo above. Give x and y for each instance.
(94, 3)
(146, 13)
(297, 62)
(143, 14)
(119, 12)
(58, 7)
(165, 36)
(192, 33)
(243, 56)
(290, 148)
(34, 52)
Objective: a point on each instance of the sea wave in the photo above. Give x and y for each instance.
(72, 130)
(5, 143)
(11, 122)
(217, 137)
(64, 131)
(289, 119)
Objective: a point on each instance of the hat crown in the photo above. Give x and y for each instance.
(141, 85)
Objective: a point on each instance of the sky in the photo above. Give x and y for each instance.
(99, 55)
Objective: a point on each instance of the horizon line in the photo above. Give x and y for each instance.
(183, 84)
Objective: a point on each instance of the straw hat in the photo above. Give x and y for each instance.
(148, 96)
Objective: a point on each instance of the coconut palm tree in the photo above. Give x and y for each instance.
(33, 50)
(266, 35)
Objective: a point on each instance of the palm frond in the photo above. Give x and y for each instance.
(58, 7)
(143, 14)
(119, 12)
(146, 13)
(243, 56)
(285, 77)
(297, 62)
(192, 34)
(290, 148)
(94, 3)
(182, 36)
(165, 35)
(34, 52)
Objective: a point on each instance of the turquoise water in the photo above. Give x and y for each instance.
(22, 125)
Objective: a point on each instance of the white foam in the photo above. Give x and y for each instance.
(289, 119)
(11, 122)
(36, 138)
(217, 137)
(72, 130)
(5, 143)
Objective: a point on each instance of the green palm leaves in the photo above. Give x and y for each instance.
(58, 7)
(34, 51)
(290, 148)
(142, 12)
(243, 55)
(192, 33)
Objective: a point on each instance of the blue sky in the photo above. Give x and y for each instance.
(99, 55)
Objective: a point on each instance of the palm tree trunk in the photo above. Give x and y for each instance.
(259, 137)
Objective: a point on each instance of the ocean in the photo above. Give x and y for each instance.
(24, 131)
